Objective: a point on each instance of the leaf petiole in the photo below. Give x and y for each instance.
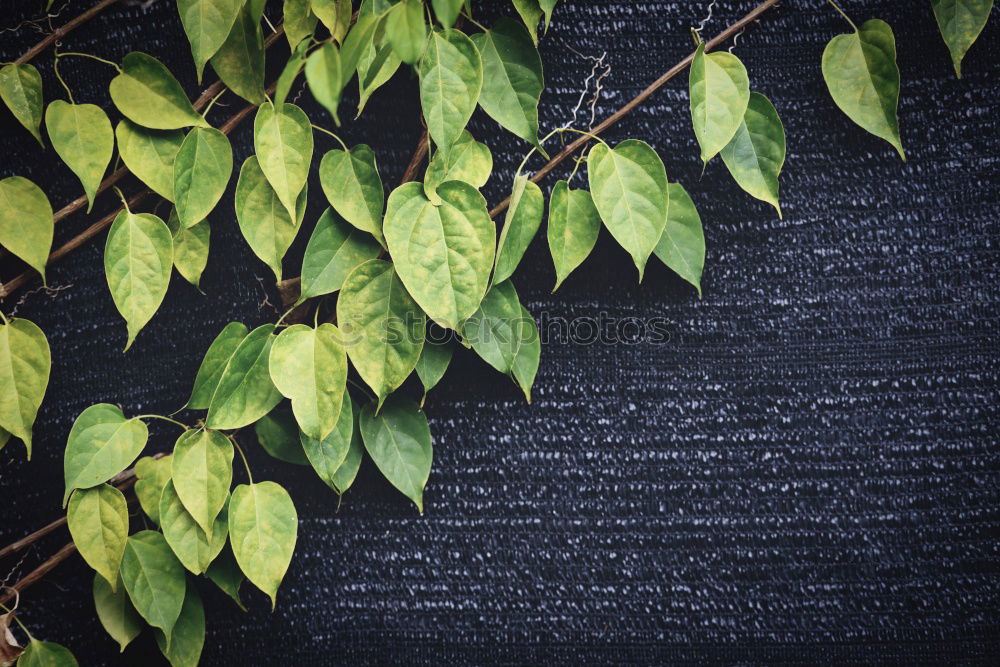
(166, 419)
(846, 17)
(87, 55)
(326, 131)
(242, 456)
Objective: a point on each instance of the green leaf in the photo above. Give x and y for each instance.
(98, 521)
(81, 135)
(116, 612)
(148, 94)
(863, 79)
(531, 13)
(21, 91)
(299, 22)
(682, 246)
(278, 434)
(720, 91)
(207, 24)
(328, 454)
(46, 654)
(960, 22)
(289, 73)
(190, 247)
(376, 66)
(399, 441)
(353, 187)
(284, 143)
(512, 78)
(225, 573)
(433, 362)
(572, 229)
(524, 216)
(239, 62)
(263, 526)
(334, 250)
(201, 173)
(309, 367)
(382, 326)
(101, 444)
(245, 392)
(214, 363)
(756, 152)
(443, 253)
(547, 7)
(151, 475)
(528, 354)
(359, 39)
(447, 11)
(468, 161)
(138, 257)
(4, 438)
(26, 222)
(335, 15)
(629, 187)
(501, 331)
(194, 547)
(265, 223)
(25, 362)
(451, 77)
(202, 472)
(406, 31)
(187, 638)
(348, 470)
(150, 155)
(154, 579)
(323, 76)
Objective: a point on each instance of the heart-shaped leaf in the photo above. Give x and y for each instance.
(21, 91)
(151, 475)
(82, 136)
(468, 161)
(682, 246)
(451, 77)
(138, 257)
(116, 612)
(756, 152)
(443, 254)
(399, 441)
(960, 22)
(148, 94)
(629, 187)
(98, 521)
(150, 154)
(207, 24)
(182, 647)
(263, 526)
(283, 140)
(265, 223)
(524, 217)
(46, 654)
(573, 227)
(446, 11)
(861, 74)
(190, 247)
(202, 471)
(328, 454)
(719, 91)
(334, 250)
(194, 547)
(202, 169)
(239, 62)
(25, 362)
(512, 78)
(214, 363)
(353, 187)
(26, 222)
(406, 31)
(154, 579)
(245, 392)
(101, 444)
(383, 328)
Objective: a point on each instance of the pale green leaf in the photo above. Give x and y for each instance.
(187, 638)
(201, 173)
(406, 31)
(358, 40)
(399, 441)
(149, 155)
(101, 444)
(309, 367)
(154, 579)
(194, 547)
(214, 363)
(719, 90)
(225, 573)
(98, 521)
(263, 219)
(116, 612)
(512, 78)
(524, 217)
(299, 21)
(528, 353)
(433, 362)
(682, 246)
(756, 152)
(263, 526)
(323, 76)
(26, 222)
(151, 475)
(207, 24)
(21, 91)
(468, 161)
(353, 187)
(148, 94)
(382, 325)
(328, 454)
(190, 247)
(446, 11)
(46, 654)
(961, 22)
(335, 15)
(629, 187)
(443, 254)
(861, 74)
(239, 62)
(573, 227)
(138, 257)
(202, 471)
(245, 392)
(81, 135)
(284, 143)
(348, 470)
(278, 434)
(451, 77)
(334, 250)
(25, 363)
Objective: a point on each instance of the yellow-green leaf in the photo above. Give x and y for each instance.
(263, 526)
(148, 94)
(25, 362)
(151, 475)
(116, 612)
(26, 222)
(202, 471)
(353, 187)
(960, 22)
(190, 247)
(194, 547)
(239, 62)
(524, 217)
(334, 250)
(406, 31)
(202, 169)
(149, 155)
(101, 444)
(573, 227)
(207, 24)
(433, 362)
(245, 392)
(468, 161)
(328, 454)
(21, 91)
(299, 21)
(720, 90)
(284, 143)
(214, 363)
(82, 136)
(323, 74)
(451, 77)
(98, 521)
(335, 15)
(46, 654)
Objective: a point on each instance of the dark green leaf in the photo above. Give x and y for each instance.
(399, 441)
(225, 573)
(348, 470)
(46, 654)
(528, 353)
(327, 455)
(531, 13)
(186, 640)
(433, 362)
(682, 246)
(756, 152)
(494, 328)
(278, 434)
(447, 11)
(353, 187)
(116, 612)
(960, 22)
(154, 579)
(334, 250)
(239, 62)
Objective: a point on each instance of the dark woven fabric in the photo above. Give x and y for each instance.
(806, 472)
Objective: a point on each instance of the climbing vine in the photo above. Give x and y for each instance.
(319, 386)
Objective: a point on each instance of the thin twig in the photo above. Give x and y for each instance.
(64, 30)
(35, 575)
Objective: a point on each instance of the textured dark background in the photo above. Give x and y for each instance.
(807, 471)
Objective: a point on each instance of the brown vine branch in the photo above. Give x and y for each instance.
(64, 30)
